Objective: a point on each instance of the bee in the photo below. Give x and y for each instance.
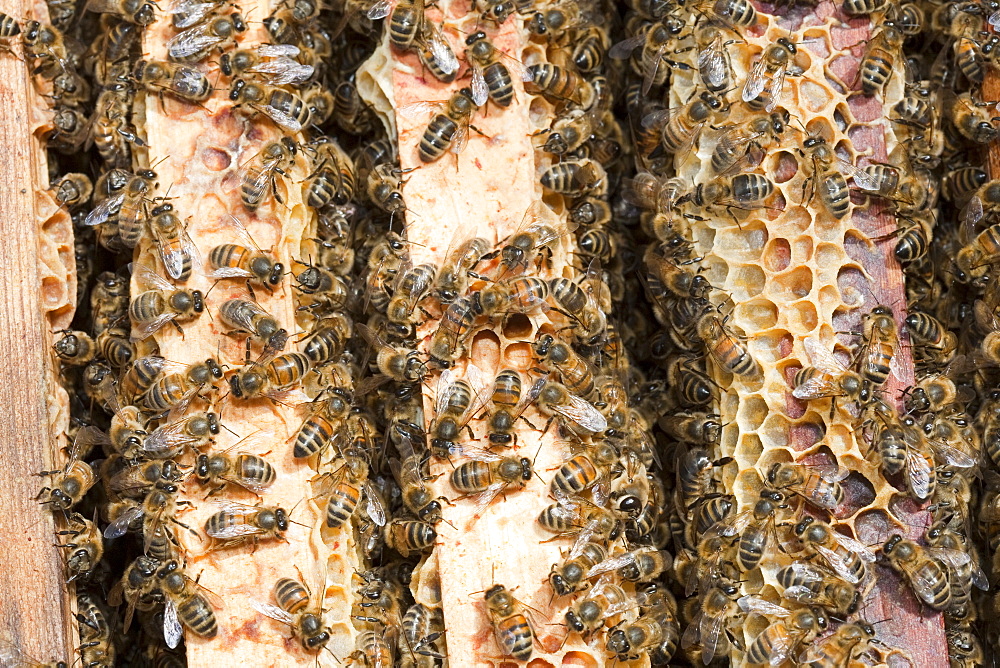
(555, 400)
(718, 607)
(195, 44)
(344, 487)
(410, 536)
(755, 528)
(818, 485)
(487, 475)
(508, 405)
(492, 78)
(880, 56)
(194, 431)
(681, 128)
(725, 347)
(858, 7)
(935, 393)
(435, 53)
(398, 363)
(405, 23)
(587, 615)
(714, 64)
(70, 128)
(571, 575)
(676, 277)
(447, 130)
(575, 177)
(743, 146)
(73, 190)
(244, 261)
(781, 638)
(511, 627)
(456, 402)
(327, 292)
(829, 176)
(654, 632)
(162, 304)
(75, 348)
(416, 495)
(246, 316)
(927, 575)
(187, 603)
(457, 324)
(274, 64)
(656, 40)
(576, 373)
(827, 377)
(640, 565)
(176, 250)
(258, 175)
(96, 645)
(322, 425)
(768, 73)
(848, 558)
(84, 548)
(183, 82)
(177, 389)
(422, 628)
(460, 262)
(236, 523)
(328, 339)
(127, 206)
(960, 183)
(69, 484)
(537, 232)
(951, 549)
(881, 341)
(810, 584)
(584, 470)
(580, 518)
(297, 609)
(934, 340)
(286, 109)
(137, 479)
(410, 288)
(270, 377)
(560, 84)
(246, 470)
(384, 188)
(138, 12)
(333, 177)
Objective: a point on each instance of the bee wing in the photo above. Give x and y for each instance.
(369, 384)
(918, 474)
(799, 593)
(118, 528)
(103, 210)
(822, 358)
(807, 572)
(485, 498)
(781, 647)
(817, 387)
(952, 455)
(836, 563)
(611, 564)
(190, 42)
(193, 12)
(710, 630)
(750, 604)
(278, 50)
(774, 90)
(862, 179)
(481, 387)
(281, 118)
(756, 81)
(831, 472)
(379, 10)
(650, 70)
(971, 215)
(855, 546)
(167, 439)
(712, 64)
(272, 611)
(460, 138)
(731, 526)
(147, 329)
(442, 52)
(284, 71)
(172, 630)
(152, 280)
(624, 48)
(172, 255)
(445, 387)
(373, 505)
(583, 413)
(418, 109)
(480, 91)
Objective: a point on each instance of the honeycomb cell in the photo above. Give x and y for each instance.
(873, 526)
(800, 316)
(578, 660)
(777, 255)
(829, 255)
(518, 356)
(756, 315)
(858, 493)
(791, 285)
(745, 281)
(745, 245)
(517, 326)
(805, 434)
(814, 96)
(749, 451)
(774, 432)
(751, 413)
(796, 220)
(826, 227)
(766, 346)
(782, 166)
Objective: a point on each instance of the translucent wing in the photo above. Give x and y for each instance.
(583, 413)
(652, 67)
(281, 118)
(855, 546)
(103, 211)
(190, 43)
(460, 138)
(147, 329)
(173, 255)
(952, 455)
(272, 611)
(918, 474)
(480, 92)
(189, 13)
(806, 572)
(862, 179)
(442, 52)
(373, 505)
(445, 387)
(799, 593)
(486, 497)
(774, 90)
(418, 109)
(118, 528)
(712, 64)
(760, 606)
(710, 630)
(284, 71)
(781, 647)
(817, 386)
(973, 214)
(172, 630)
(837, 564)
(625, 48)
(612, 564)
(756, 81)
(278, 50)
(379, 10)
(831, 472)
(168, 439)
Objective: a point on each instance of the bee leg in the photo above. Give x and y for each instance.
(178, 328)
(527, 422)
(548, 423)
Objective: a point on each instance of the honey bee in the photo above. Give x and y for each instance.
(344, 487)
(385, 188)
(576, 373)
(187, 603)
(398, 363)
(848, 558)
(196, 43)
(327, 292)
(176, 250)
(560, 84)
(536, 233)
(581, 518)
(73, 190)
(247, 317)
(236, 523)
(423, 632)
(511, 627)
(410, 536)
(926, 574)
(781, 638)
(447, 130)
(333, 177)
(183, 82)
(587, 615)
(717, 607)
(827, 377)
(270, 377)
(569, 131)
(508, 406)
(274, 64)
(96, 642)
(456, 402)
(415, 493)
(320, 427)
(460, 262)
(84, 548)
(297, 609)
(194, 431)
(768, 73)
(178, 388)
(127, 206)
(555, 400)
(819, 485)
(286, 109)
(328, 339)
(487, 475)
(75, 348)
(656, 40)
(138, 12)
(245, 261)
(575, 177)
(258, 175)
(810, 584)
(960, 183)
(881, 340)
(70, 128)
(682, 127)
(878, 63)
(584, 470)
(640, 565)
(246, 470)
(743, 146)
(755, 528)
(68, 485)
(725, 347)
(829, 176)
(492, 77)
(411, 286)
(457, 324)
(952, 549)
(162, 304)
(405, 23)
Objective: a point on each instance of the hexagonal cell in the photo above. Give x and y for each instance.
(774, 432)
(826, 227)
(796, 220)
(805, 434)
(800, 316)
(873, 526)
(756, 314)
(579, 660)
(518, 356)
(517, 326)
(814, 96)
(777, 255)
(830, 255)
(782, 166)
(749, 451)
(743, 245)
(858, 493)
(751, 413)
(791, 285)
(745, 281)
(801, 249)
(766, 346)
